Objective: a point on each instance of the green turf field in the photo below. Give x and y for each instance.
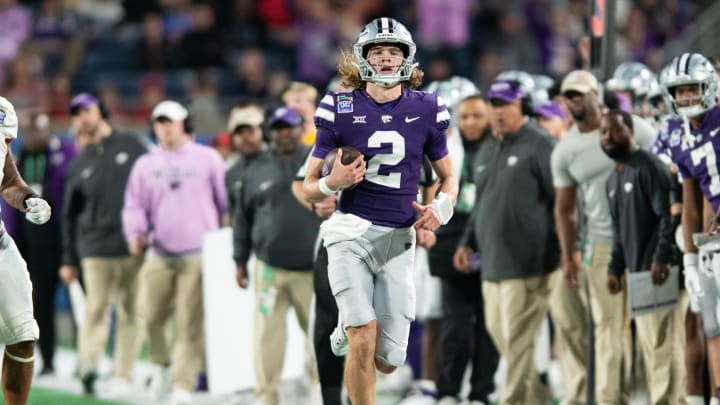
(43, 396)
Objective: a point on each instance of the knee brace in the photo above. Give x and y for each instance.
(391, 353)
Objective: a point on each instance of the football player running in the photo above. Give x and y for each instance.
(689, 84)
(19, 330)
(371, 238)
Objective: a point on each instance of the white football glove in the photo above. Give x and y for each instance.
(38, 210)
(692, 281)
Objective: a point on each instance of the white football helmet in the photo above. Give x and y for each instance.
(524, 79)
(453, 90)
(689, 68)
(632, 77)
(385, 31)
(541, 90)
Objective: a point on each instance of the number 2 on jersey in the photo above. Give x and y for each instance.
(708, 152)
(372, 174)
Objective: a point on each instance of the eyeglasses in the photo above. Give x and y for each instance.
(496, 102)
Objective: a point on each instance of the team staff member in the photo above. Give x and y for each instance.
(93, 238)
(516, 238)
(174, 196)
(462, 298)
(638, 192)
(270, 222)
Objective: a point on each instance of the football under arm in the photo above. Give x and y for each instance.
(13, 189)
(310, 186)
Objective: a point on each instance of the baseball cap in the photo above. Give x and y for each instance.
(504, 90)
(82, 101)
(550, 109)
(171, 110)
(251, 116)
(8, 119)
(581, 81)
(285, 116)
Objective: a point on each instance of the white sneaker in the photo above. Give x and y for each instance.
(418, 399)
(159, 385)
(448, 401)
(180, 396)
(339, 340)
(119, 387)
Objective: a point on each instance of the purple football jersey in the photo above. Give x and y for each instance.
(695, 154)
(393, 141)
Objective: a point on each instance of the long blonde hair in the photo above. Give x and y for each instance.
(350, 74)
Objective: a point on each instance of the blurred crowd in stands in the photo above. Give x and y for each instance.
(215, 53)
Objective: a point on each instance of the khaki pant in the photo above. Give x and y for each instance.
(276, 290)
(514, 312)
(661, 337)
(110, 281)
(568, 309)
(612, 344)
(172, 286)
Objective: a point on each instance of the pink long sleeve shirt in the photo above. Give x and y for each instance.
(174, 197)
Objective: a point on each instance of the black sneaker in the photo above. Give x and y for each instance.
(88, 382)
(47, 371)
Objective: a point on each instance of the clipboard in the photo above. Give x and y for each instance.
(645, 297)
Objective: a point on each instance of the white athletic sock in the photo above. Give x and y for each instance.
(695, 400)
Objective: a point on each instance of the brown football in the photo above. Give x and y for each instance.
(349, 155)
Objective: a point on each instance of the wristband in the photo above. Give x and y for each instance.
(29, 196)
(324, 188)
(690, 259)
(443, 206)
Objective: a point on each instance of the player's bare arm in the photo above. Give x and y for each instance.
(691, 213)
(13, 188)
(566, 224)
(437, 213)
(341, 177)
(424, 237)
(322, 209)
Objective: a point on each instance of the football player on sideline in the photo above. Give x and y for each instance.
(16, 307)
(689, 84)
(371, 238)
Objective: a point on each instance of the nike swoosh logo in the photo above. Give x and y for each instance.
(409, 120)
(714, 131)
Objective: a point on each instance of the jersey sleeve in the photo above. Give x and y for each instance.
(326, 138)
(442, 118)
(436, 145)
